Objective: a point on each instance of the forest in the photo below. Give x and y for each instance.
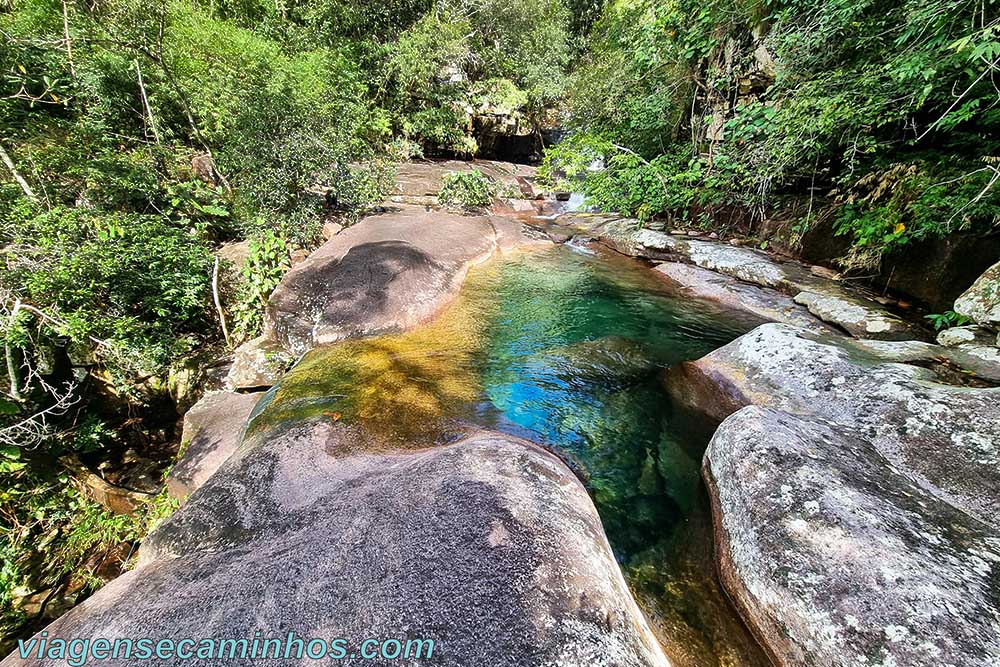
(137, 138)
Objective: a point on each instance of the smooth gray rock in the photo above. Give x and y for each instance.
(980, 361)
(258, 363)
(746, 264)
(388, 273)
(862, 318)
(835, 558)
(489, 546)
(767, 304)
(947, 438)
(212, 431)
(978, 345)
(981, 302)
(955, 336)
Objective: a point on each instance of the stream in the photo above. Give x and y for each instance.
(564, 347)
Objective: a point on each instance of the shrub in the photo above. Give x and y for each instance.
(467, 189)
(140, 282)
(616, 179)
(266, 263)
(891, 207)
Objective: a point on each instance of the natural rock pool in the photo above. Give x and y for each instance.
(563, 347)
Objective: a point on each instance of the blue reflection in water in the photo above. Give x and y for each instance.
(575, 350)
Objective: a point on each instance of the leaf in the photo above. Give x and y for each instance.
(211, 209)
(899, 228)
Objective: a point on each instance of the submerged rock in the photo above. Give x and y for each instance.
(489, 546)
(213, 429)
(947, 438)
(388, 273)
(612, 360)
(835, 557)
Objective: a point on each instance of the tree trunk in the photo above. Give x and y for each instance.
(145, 103)
(69, 43)
(17, 177)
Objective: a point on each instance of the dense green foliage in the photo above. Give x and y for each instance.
(469, 57)
(53, 537)
(137, 139)
(467, 189)
(880, 116)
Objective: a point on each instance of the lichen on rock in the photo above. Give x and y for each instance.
(835, 557)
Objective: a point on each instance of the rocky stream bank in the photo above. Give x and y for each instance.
(854, 477)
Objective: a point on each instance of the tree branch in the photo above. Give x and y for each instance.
(28, 192)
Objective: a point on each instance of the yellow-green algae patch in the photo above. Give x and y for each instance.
(401, 388)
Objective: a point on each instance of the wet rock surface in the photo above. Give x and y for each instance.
(946, 438)
(213, 429)
(489, 546)
(390, 273)
(835, 557)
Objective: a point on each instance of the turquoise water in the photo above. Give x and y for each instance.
(576, 350)
(564, 347)
(573, 362)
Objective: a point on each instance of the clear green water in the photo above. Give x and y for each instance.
(564, 347)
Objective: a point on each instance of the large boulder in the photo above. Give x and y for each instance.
(212, 431)
(835, 557)
(947, 438)
(258, 363)
(981, 302)
(766, 304)
(388, 273)
(489, 546)
(860, 317)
